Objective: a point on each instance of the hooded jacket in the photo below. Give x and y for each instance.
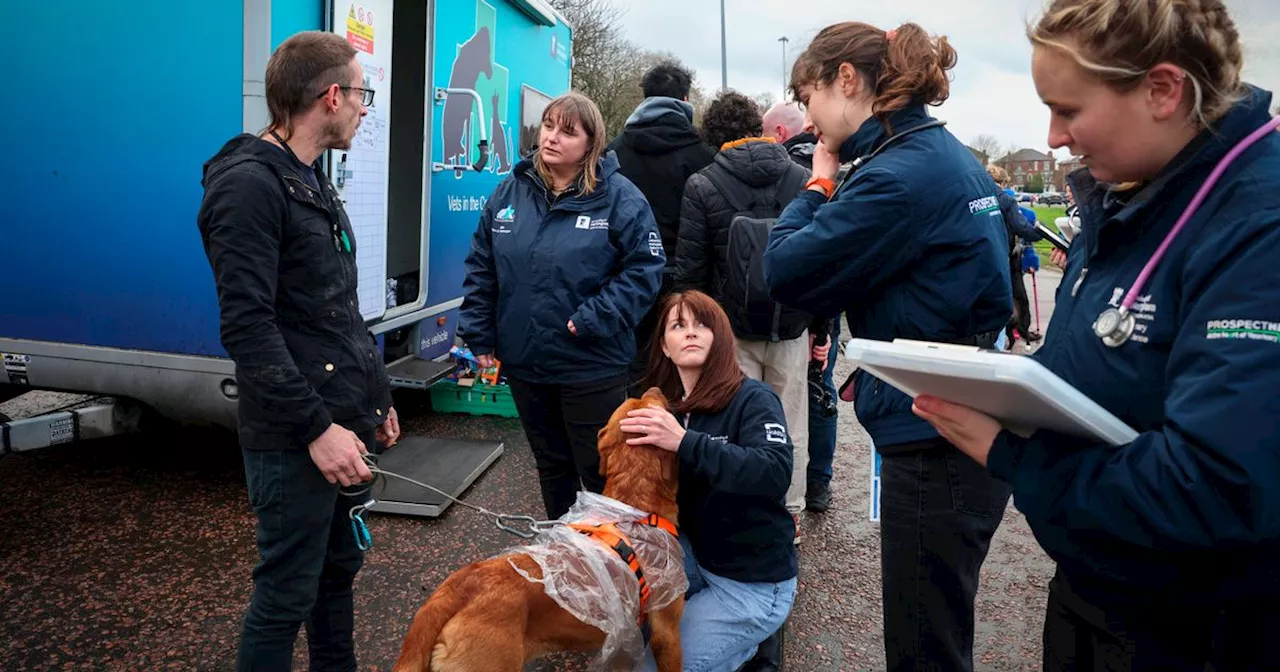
(1189, 512)
(658, 150)
(538, 261)
(912, 246)
(283, 256)
(801, 148)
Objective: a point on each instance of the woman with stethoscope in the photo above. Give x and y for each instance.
(1168, 548)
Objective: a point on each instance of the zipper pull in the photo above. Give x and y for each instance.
(1076, 287)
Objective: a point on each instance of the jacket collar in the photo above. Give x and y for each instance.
(605, 168)
(872, 132)
(743, 141)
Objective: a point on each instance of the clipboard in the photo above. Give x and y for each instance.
(1015, 389)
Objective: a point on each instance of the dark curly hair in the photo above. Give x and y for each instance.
(667, 79)
(731, 116)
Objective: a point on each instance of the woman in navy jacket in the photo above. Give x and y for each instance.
(1168, 547)
(565, 261)
(913, 246)
(735, 467)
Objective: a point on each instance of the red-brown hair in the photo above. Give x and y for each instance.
(721, 374)
(903, 67)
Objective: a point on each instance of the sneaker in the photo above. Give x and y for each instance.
(817, 496)
(796, 518)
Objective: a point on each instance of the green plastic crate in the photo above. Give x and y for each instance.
(479, 399)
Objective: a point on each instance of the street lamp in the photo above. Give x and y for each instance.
(724, 53)
(784, 42)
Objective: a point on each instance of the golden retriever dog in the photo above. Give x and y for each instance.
(486, 616)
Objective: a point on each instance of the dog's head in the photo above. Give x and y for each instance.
(637, 472)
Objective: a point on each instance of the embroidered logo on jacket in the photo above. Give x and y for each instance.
(655, 245)
(507, 214)
(1253, 330)
(775, 433)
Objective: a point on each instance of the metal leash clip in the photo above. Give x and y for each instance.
(506, 523)
(358, 527)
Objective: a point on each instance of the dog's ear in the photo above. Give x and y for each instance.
(670, 468)
(655, 396)
(604, 446)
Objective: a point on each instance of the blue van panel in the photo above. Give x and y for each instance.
(294, 16)
(103, 175)
(467, 56)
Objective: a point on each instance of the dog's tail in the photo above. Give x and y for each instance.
(415, 653)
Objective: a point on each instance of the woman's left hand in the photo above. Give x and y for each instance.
(656, 427)
(969, 430)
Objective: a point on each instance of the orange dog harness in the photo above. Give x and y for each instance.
(609, 535)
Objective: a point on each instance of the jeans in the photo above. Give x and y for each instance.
(822, 430)
(561, 423)
(308, 560)
(725, 620)
(939, 510)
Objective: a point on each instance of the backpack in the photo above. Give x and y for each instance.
(753, 314)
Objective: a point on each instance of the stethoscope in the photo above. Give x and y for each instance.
(1115, 325)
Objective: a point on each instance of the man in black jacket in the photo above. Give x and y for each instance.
(658, 150)
(314, 394)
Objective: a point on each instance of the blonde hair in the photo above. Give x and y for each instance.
(1000, 175)
(574, 111)
(1119, 41)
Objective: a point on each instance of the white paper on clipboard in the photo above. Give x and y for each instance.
(1014, 389)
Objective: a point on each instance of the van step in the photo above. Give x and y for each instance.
(418, 374)
(451, 465)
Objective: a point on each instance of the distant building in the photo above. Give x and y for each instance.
(1066, 168)
(1024, 163)
(981, 156)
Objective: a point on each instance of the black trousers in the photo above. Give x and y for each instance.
(308, 560)
(1021, 319)
(939, 510)
(561, 422)
(1079, 637)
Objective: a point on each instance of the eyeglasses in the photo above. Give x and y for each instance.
(366, 95)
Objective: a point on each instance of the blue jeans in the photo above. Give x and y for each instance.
(725, 620)
(822, 431)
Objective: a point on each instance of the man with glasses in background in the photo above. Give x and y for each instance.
(314, 394)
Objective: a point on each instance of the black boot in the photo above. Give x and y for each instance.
(768, 656)
(817, 496)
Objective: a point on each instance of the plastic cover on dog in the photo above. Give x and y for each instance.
(596, 586)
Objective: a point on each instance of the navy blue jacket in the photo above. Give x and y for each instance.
(1189, 512)
(735, 467)
(537, 262)
(913, 246)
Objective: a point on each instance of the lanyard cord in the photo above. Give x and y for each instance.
(1150, 267)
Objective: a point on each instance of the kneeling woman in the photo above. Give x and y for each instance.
(735, 467)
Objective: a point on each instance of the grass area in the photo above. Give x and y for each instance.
(1047, 215)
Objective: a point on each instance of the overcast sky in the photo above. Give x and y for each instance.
(992, 92)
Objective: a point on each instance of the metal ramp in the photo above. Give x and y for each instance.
(417, 374)
(449, 464)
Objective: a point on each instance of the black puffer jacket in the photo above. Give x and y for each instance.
(702, 248)
(658, 150)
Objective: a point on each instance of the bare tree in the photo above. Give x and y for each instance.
(989, 145)
(765, 100)
(607, 67)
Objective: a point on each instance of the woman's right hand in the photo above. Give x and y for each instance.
(1059, 258)
(486, 361)
(825, 163)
